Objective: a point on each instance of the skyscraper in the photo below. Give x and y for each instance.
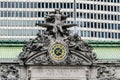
(96, 19)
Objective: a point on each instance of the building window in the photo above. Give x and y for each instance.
(50, 5)
(108, 8)
(77, 6)
(112, 35)
(118, 17)
(5, 4)
(108, 16)
(57, 5)
(5, 14)
(98, 7)
(81, 33)
(95, 16)
(102, 17)
(35, 4)
(105, 16)
(88, 24)
(91, 33)
(17, 14)
(95, 6)
(31, 14)
(102, 25)
(42, 5)
(35, 14)
(42, 14)
(13, 5)
(88, 33)
(46, 5)
(24, 14)
(39, 14)
(39, 5)
(105, 25)
(109, 35)
(88, 6)
(84, 15)
(16, 4)
(1, 5)
(112, 18)
(64, 5)
(91, 24)
(111, 8)
(98, 25)
(84, 6)
(20, 14)
(31, 5)
(24, 5)
(61, 5)
(80, 5)
(71, 5)
(118, 8)
(53, 5)
(98, 16)
(88, 15)
(105, 34)
(9, 4)
(77, 14)
(20, 4)
(91, 6)
(118, 35)
(105, 8)
(115, 17)
(81, 15)
(109, 26)
(68, 5)
(101, 7)
(102, 34)
(9, 13)
(115, 26)
(95, 25)
(115, 8)
(85, 34)
(118, 26)
(84, 24)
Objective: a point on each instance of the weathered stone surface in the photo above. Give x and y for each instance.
(58, 72)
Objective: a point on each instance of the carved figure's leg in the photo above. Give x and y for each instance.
(60, 28)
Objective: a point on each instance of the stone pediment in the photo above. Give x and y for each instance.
(56, 46)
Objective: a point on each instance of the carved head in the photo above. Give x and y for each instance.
(76, 35)
(57, 11)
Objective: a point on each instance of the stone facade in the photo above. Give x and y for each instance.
(95, 72)
(56, 55)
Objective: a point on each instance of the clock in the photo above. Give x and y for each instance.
(58, 52)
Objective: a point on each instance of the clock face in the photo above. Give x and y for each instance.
(58, 52)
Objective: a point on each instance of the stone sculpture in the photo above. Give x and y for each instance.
(56, 46)
(105, 73)
(9, 72)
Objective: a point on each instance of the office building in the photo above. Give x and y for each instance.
(97, 19)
